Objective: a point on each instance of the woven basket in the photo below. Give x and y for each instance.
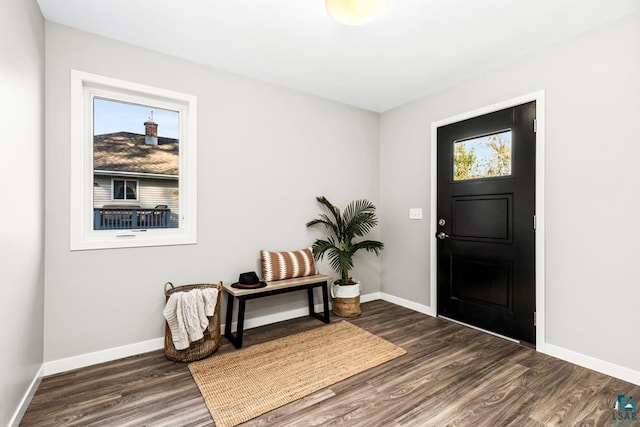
(347, 307)
(211, 340)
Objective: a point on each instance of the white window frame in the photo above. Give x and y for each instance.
(86, 86)
(113, 188)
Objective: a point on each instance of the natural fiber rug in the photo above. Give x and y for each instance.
(246, 383)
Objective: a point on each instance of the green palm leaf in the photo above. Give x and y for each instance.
(357, 220)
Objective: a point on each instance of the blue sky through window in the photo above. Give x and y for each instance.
(481, 145)
(114, 116)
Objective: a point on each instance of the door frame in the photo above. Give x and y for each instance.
(539, 97)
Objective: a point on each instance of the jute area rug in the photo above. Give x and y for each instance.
(244, 384)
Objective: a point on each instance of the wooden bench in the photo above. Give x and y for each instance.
(274, 288)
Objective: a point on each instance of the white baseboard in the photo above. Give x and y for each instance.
(88, 359)
(101, 356)
(26, 399)
(254, 322)
(604, 367)
(370, 297)
(268, 319)
(420, 308)
(62, 365)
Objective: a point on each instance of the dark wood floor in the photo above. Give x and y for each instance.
(451, 375)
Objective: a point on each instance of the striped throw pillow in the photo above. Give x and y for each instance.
(287, 265)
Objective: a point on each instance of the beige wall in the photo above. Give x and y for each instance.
(22, 188)
(264, 153)
(592, 228)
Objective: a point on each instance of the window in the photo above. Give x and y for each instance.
(124, 189)
(484, 156)
(133, 164)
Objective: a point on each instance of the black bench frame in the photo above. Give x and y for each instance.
(236, 339)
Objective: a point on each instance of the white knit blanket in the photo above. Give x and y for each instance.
(188, 313)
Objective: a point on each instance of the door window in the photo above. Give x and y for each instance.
(484, 156)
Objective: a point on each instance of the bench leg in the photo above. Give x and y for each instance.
(240, 328)
(325, 303)
(229, 319)
(312, 309)
(235, 339)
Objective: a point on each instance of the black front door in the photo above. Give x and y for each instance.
(486, 235)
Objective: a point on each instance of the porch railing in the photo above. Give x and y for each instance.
(131, 218)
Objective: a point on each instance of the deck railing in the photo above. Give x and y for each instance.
(130, 218)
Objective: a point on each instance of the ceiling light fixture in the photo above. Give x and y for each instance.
(355, 12)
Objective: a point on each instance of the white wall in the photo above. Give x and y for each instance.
(592, 151)
(22, 189)
(264, 153)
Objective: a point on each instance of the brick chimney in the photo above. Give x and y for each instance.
(151, 131)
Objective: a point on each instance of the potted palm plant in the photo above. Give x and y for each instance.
(357, 220)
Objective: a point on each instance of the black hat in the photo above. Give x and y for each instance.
(249, 280)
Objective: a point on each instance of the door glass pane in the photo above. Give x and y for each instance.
(482, 157)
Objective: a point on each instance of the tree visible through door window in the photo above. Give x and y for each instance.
(482, 157)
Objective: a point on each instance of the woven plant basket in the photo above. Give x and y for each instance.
(347, 307)
(211, 340)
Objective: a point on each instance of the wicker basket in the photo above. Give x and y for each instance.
(211, 340)
(347, 307)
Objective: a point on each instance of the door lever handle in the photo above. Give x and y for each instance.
(442, 235)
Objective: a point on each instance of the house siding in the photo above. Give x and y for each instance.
(151, 193)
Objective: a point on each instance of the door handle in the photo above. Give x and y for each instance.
(442, 235)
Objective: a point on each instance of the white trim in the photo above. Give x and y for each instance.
(268, 319)
(88, 359)
(254, 322)
(369, 297)
(84, 86)
(107, 355)
(602, 366)
(14, 421)
(539, 97)
(420, 308)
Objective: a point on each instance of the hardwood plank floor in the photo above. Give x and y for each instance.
(451, 376)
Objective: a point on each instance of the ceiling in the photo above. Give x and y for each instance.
(416, 48)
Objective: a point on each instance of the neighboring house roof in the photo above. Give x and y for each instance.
(127, 152)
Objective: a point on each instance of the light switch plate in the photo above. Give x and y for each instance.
(415, 213)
